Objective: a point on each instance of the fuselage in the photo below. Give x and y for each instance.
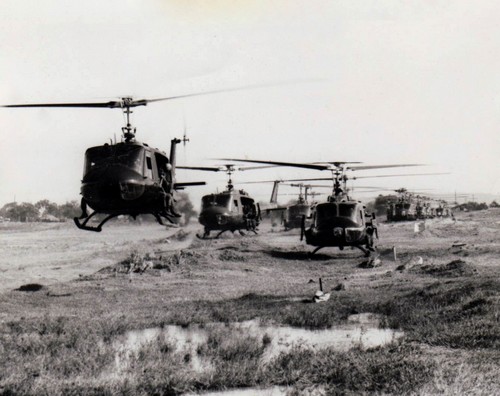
(337, 224)
(294, 213)
(124, 177)
(229, 210)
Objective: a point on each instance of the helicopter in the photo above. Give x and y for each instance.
(130, 177)
(412, 206)
(421, 208)
(230, 210)
(341, 221)
(291, 215)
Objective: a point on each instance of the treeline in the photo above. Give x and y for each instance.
(471, 206)
(43, 210)
(47, 211)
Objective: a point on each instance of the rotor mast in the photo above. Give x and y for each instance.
(229, 171)
(128, 131)
(339, 192)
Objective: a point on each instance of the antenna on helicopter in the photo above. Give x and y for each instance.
(184, 137)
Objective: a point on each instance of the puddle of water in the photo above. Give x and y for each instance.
(274, 391)
(362, 330)
(367, 318)
(185, 340)
(341, 338)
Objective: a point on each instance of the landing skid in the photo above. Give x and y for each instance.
(83, 225)
(367, 251)
(207, 233)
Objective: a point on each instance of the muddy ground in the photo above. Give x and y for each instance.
(67, 296)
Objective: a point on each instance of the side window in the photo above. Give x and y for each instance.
(235, 205)
(248, 206)
(162, 167)
(149, 166)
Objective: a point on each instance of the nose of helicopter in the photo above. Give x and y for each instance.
(111, 184)
(215, 215)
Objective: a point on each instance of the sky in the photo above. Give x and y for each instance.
(379, 82)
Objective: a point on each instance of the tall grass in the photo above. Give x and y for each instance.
(395, 369)
(456, 315)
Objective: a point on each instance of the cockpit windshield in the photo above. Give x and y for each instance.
(215, 200)
(328, 213)
(325, 213)
(130, 156)
(347, 210)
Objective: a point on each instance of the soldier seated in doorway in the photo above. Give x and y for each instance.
(165, 183)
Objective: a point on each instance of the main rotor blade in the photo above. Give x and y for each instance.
(181, 185)
(244, 168)
(363, 167)
(311, 179)
(323, 167)
(284, 181)
(308, 185)
(337, 163)
(202, 168)
(224, 168)
(400, 174)
(111, 105)
(354, 177)
(293, 164)
(373, 188)
(128, 102)
(242, 88)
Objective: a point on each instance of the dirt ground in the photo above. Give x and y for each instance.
(149, 275)
(48, 253)
(51, 254)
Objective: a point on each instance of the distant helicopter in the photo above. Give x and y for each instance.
(412, 206)
(291, 214)
(231, 210)
(399, 208)
(340, 221)
(129, 177)
(295, 213)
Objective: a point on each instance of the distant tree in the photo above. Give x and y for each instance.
(69, 210)
(7, 210)
(494, 204)
(20, 212)
(472, 206)
(45, 207)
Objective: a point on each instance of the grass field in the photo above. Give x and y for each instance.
(86, 292)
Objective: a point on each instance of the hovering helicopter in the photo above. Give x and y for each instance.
(130, 177)
(126, 178)
(230, 210)
(340, 221)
